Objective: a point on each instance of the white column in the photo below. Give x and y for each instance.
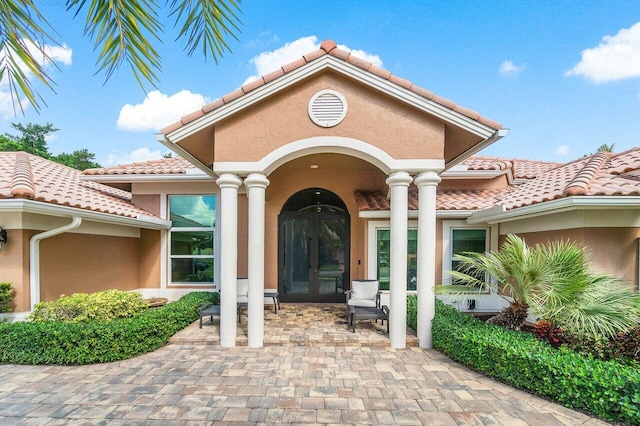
(427, 183)
(256, 184)
(228, 228)
(399, 184)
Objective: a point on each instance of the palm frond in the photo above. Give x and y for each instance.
(121, 31)
(205, 23)
(24, 33)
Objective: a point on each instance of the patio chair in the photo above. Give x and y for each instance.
(363, 293)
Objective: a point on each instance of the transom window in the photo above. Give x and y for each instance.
(192, 239)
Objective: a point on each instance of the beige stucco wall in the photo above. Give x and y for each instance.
(399, 130)
(611, 250)
(72, 263)
(14, 266)
(149, 249)
(148, 202)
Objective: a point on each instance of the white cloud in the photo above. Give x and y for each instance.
(135, 156)
(615, 58)
(267, 62)
(61, 54)
(562, 151)
(159, 110)
(509, 69)
(200, 209)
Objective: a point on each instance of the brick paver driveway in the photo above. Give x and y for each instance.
(338, 384)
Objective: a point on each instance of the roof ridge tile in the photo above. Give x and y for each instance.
(22, 184)
(581, 182)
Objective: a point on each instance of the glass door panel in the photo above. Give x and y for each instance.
(314, 257)
(333, 254)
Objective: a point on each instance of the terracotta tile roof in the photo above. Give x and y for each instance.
(329, 47)
(520, 169)
(30, 177)
(598, 174)
(165, 166)
(625, 162)
(445, 200)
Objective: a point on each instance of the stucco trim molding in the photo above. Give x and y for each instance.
(499, 214)
(329, 145)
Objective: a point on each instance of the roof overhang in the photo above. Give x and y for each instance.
(39, 207)
(499, 214)
(494, 137)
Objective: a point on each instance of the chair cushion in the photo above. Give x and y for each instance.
(242, 287)
(365, 290)
(362, 302)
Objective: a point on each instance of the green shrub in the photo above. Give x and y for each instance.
(6, 297)
(605, 388)
(79, 307)
(90, 342)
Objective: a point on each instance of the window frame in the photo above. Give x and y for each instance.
(216, 245)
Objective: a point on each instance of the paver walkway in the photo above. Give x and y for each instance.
(299, 324)
(306, 384)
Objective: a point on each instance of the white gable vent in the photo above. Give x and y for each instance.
(327, 108)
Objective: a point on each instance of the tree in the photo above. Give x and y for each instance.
(80, 159)
(123, 32)
(33, 139)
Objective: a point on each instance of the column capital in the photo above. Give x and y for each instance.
(399, 179)
(429, 178)
(229, 180)
(256, 180)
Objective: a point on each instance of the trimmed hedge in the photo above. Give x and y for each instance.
(101, 306)
(607, 389)
(90, 342)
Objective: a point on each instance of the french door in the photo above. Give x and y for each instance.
(313, 256)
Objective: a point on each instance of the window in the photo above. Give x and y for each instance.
(379, 255)
(191, 238)
(467, 240)
(458, 237)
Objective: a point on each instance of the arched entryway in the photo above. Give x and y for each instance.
(313, 247)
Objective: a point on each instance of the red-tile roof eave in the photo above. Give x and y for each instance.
(329, 47)
(28, 177)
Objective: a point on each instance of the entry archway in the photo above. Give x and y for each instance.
(313, 247)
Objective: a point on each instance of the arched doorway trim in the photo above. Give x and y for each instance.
(334, 145)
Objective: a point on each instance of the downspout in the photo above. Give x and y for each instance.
(34, 257)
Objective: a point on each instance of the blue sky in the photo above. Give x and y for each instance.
(563, 76)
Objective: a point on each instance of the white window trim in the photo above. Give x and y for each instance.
(448, 226)
(372, 249)
(165, 265)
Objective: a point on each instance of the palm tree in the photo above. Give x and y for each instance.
(552, 281)
(123, 32)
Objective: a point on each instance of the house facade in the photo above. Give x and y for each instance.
(325, 171)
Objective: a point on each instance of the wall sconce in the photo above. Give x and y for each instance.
(3, 238)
